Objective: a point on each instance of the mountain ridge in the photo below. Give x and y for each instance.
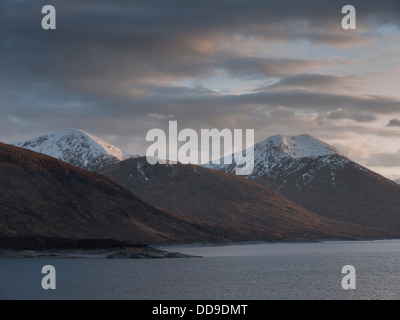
(327, 183)
(280, 151)
(235, 202)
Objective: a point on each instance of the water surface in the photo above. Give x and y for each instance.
(246, 271)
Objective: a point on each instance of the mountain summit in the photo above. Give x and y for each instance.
(281, 155)
(297, 146)
(318, 177)
(76, 147)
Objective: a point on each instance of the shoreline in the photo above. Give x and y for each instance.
(151, 250)
(244, 242)
(111, 253)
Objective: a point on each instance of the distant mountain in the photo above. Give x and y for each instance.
(43, 196)
(76, 147)
(397, 181)
(233, 202)
(279, 154)
(318, 177)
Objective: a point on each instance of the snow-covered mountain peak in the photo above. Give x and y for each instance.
(301, 146)
(77, 147)
(283, 156)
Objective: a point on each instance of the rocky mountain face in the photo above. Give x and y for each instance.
(245, 208)
(76, 147)
(41, 195)
(318, 177)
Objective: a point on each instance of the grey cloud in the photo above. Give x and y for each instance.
(316, 101)
(282, 112)
(358, 117)
(160, 116)
(345, 131)
(384, 159)
(393, 123)
(110, 63)
(206, 105)
(363, 117)
(138, 39)
(104, 46)
(313, 80)
(255, 66)
(203, 105)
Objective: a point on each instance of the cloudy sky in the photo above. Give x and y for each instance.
(117, 69)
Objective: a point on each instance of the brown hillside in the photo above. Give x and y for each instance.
(234, 202)
(40, 195)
